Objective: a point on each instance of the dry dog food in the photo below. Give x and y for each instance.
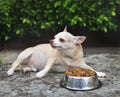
(80, 72)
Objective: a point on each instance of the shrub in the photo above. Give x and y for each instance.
(19, 17)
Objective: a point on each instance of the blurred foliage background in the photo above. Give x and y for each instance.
(30, 17)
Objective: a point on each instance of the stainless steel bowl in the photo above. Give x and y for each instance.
(80, 83)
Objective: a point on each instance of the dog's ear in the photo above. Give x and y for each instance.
(65, 29)
(79, 39)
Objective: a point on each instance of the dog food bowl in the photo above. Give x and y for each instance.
(80, 83)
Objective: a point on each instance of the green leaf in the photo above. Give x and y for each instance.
(42, 26)
(104, 29)
(72, 10)
(17, 32)
(57, 4)
(8, 25)
(6, 37)
(113, 13)
(84, 24)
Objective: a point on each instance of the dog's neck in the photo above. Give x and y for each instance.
(73, 57)
(73, 54)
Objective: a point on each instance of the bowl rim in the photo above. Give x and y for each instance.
(77, 77)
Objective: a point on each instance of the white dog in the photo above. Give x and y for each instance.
(65, 49)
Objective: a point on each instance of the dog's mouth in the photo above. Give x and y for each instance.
(54, 46)
(58, 47)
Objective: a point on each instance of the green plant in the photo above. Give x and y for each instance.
(19, 17)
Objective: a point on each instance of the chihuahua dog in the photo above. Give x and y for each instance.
(64, 49)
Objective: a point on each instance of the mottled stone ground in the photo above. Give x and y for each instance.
(21, 85)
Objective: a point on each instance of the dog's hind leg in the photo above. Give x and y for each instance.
(26, 69)
(12, 69)
(20, 60)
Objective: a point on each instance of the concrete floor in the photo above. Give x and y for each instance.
(20, 85)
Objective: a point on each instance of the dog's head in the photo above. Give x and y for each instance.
(64, 40)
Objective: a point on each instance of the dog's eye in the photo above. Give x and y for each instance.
(62, 40)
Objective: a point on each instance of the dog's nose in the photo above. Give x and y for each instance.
(51, 41)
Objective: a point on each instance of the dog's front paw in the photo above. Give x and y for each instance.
(10, 72)
(40, 74)
(101, 74)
